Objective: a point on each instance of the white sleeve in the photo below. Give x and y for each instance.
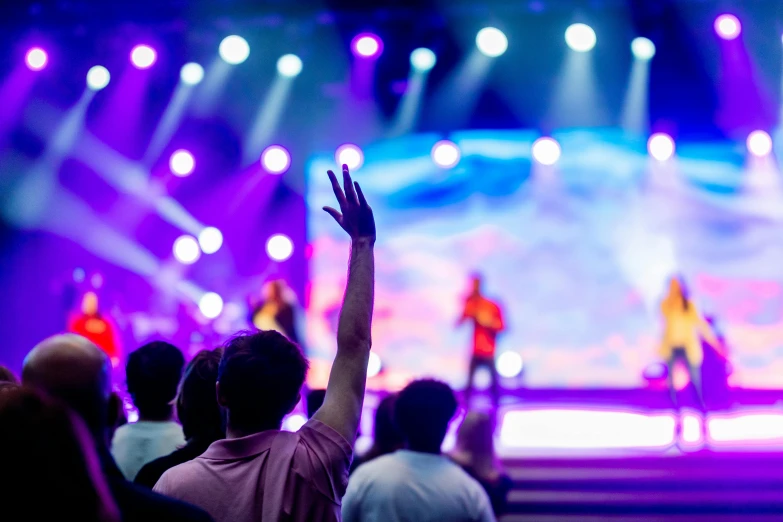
(484, 511)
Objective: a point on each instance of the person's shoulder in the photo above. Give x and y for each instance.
(315, 431)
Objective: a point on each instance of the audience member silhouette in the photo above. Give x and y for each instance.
(49, 461)
(260, 472)
(475, 452)
(386, 436)
(153, 374)
(417, 483)
(7, 375)
(199, 413)
(74, 370)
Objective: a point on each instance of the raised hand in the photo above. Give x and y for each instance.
(355, 215)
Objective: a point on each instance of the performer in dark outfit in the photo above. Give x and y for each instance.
(276, 311)
(487, 320)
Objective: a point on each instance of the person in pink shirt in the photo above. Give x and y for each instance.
(259, 473)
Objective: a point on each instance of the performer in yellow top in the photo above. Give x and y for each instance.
(684, 327)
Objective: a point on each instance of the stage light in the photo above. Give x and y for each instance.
(580, 37)
(182, 163)
(210, 240)
(728, 26)
(275, 159)
(36, 59)
(279, 247)
(191, 73)
(186, 250)
(423, 59)
(143, 56)
(289, 65)
(445, 154)
(661, 146)
(546, 151)
(367, 45)
(79, 274)
(491, 42)
(759, 143)
(642, 48)
(234, 49)
(349, 154)
(509, 364)
(293, 422)
(98, 77)
(210, 305)
(373, 365)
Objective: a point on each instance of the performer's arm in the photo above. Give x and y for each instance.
(345, 392)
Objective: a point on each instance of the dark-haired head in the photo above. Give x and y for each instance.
(197, 406)
(423, 410)
(153, 374)
(48, 455)
(259, 380)
(7, 375)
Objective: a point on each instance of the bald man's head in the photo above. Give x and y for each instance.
(74, 370)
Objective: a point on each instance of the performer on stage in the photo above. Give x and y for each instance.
(684, 328)
(487, 320)
(276, 311)
(95, 327)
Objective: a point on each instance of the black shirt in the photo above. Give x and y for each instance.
(151, 472)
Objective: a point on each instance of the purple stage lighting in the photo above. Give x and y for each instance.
(143, 56)
(182, 163)
(759, 143)
(186, 250)
(210, 305)
(661, 146)
(349, 154)
(367, 45)
(275, 159)
(728, 26)
(36, 59)
(279, 247)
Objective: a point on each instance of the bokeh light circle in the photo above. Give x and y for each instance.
(367, 45)
(728, 26)
(642, 48)
(210, 305)
(98, 77)
(759, 143)
(186, 250)
(491, 42)
(373, 365)
(143, 56)
(210, 239)
(349, 154)
(580, 37)
(182, 163)
(191, 73)
(423, 59)
(546, 151)
(234, 49)
(275, 159)
(661, 146)
(36, 59)
(279, 247)
(289, 65)
(445, 154)
(509, 364)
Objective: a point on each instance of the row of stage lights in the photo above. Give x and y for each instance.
(490, 41)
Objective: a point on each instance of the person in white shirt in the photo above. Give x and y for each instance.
(417, 483)
(153, 374)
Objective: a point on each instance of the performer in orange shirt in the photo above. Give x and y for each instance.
(92, 325)
(487, 320)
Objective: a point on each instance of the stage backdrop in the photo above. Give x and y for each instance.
(578, 254)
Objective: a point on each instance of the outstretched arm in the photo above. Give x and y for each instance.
(342, 406)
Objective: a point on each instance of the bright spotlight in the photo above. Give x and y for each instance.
(186, 250)
(210, 305)
(275, 159)
(423, 59)
(182, 163)
(191, 73)
(36, 59)
(580, 37)
(234, 49)
(289, 65)
(661, 146)
(728, 26)
(367, 45)
(293, 422)
(143, 56)
(210, 240)
(98, 77)
(445, 154)
(642, 48)
(759, 143)
(546, 151)
(491, 42)
(279, 247)
(349, 154)
(373, 365)
(509, 364)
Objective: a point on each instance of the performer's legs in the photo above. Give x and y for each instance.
(474, 364)
(495, 384)
(671, 363)
(695, 375)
